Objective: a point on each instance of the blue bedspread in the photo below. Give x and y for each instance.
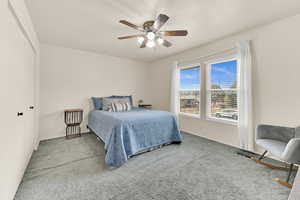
(127, 133)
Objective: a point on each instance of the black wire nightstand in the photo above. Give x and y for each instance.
(73, 119)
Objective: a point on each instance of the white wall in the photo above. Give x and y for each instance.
(275, 79)
(19, 51)
(70, 77)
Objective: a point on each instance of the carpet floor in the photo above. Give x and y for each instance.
(197, 169)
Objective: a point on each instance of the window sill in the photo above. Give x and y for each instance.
(223, 121)
(190, 115)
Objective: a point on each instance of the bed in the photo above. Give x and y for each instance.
(128, 133)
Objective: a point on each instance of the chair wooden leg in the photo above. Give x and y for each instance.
(270, 164)
(286, 183)
(281, 182)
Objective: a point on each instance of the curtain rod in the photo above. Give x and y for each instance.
(208, 55)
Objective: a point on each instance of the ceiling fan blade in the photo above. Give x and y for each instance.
(166, 43)
(159, 22)
(131, 25)
(130, 36)
(143, 45)
(174, 33)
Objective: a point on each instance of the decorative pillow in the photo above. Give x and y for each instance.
(98, 102)
(130, 98)
(120, 107)
(107, 102)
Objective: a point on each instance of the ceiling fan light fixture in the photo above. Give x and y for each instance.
(140, 40)
(160, 40)
(150, 44)
(151, 35)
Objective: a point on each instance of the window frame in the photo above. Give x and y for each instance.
(191, 66)
(208, 90)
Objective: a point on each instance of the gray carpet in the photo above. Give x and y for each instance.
(197, 169)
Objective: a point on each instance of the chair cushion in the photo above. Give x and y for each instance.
(275, 147)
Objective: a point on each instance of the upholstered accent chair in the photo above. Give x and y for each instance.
(282, 142)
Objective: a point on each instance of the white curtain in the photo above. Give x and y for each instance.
(174, 106)
(246, 130)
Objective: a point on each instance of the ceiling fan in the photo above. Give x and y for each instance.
(151, 32)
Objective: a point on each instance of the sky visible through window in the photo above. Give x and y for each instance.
(190, 79)
(223, 75)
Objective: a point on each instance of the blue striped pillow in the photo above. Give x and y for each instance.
(130, 98)
(120, 107)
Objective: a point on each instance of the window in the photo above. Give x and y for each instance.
(219, 101)
(190, 79)
(222, 90)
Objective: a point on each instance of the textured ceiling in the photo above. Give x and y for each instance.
(92, 25)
